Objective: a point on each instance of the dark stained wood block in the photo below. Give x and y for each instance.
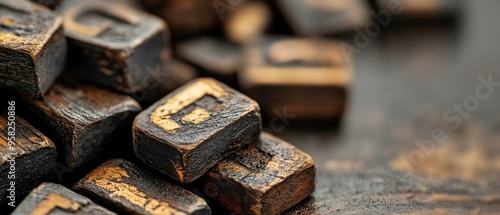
(185, 17)
(50, 198)
(217, 58)
(113, 44)
(324, 17)
(82, 119)
(267, 177)
(188, 131)
(122, 185)
(307, 78)
(32, 47)
(171, 75)
(247, 22)
(22, 150)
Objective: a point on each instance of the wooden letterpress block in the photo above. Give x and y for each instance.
(185, 17)
(247, 22)
(112, 44)
(32, 47)
(267, 177)
(307, 78)
(122, 185)
(50, 198)
(215, 57)
(191, 129)
(324, 17)
(82, 119)
(22, 151)
(171, 75)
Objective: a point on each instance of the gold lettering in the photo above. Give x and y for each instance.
(52, 201)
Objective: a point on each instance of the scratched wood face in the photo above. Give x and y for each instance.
(267, 177)
(129, 189)
(112, 44)
(194, 127)
(309, 78)
(185, 17)
(32, 47)
(30, 145)
(81, 119)
(215, 57)
(50, 198)
(324, 17)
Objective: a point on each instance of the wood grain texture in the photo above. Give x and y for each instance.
(50, 198)
(113, 44)
(185, 17)
(82, 119)
(308, 78)
(130, 189)
(29, 150)
(214, 57)
(267, 177)
(32, 47)
(324, 17)
(191, 129)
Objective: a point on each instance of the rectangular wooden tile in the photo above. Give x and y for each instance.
(306, 78)
(20, 146)
(82, 119)
(216, 58)
(32, 47)
(130, 189)
(191, 129)
(267, 177)
(50, 198)
(324, 17)
(113, 44)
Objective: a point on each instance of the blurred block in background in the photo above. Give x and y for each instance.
(129, 189)
(308, 78)
(421, 9)
(214, 57)
(25, 153)
(266, 177)
(112, 44)
(32, 47)
(49, 198)
(324, 17)
(188, 131)
(82, 119)
(248, 21)
(52, 4)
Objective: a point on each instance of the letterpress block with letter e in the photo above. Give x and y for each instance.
(22, 150)
(129, 189)
(324, 17)
(50, 198)
(112, 44)
(191, 129)
(82, 119)
(306, 78)
(32, 47)
(266, 177)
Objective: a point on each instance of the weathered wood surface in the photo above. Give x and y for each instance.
(307, 77)
(191, 129)
(20, 161)
(266, 177)
(113, 44)
(131, 189)
(50, 198)
(185, 17)
(215, 57)
(32, 47)
(82, 120)
(324, 17)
